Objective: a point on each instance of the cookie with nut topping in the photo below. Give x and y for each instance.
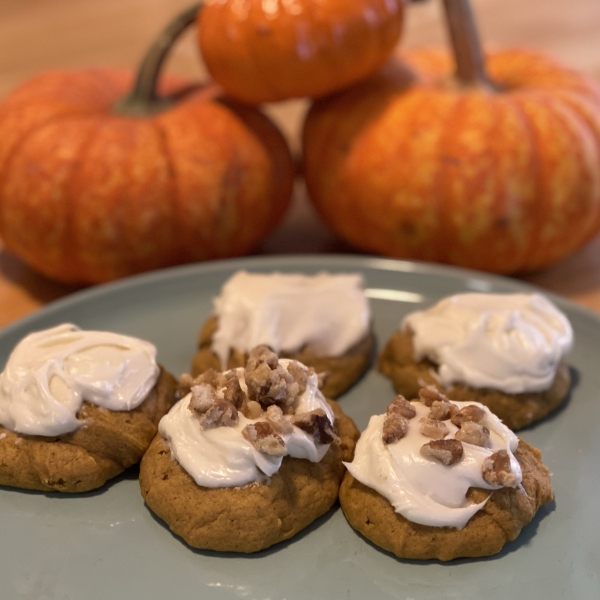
(446, 482)
(506, 351)
(249, 457)
(322, 321)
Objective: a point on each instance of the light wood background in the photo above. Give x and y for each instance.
(43, 34)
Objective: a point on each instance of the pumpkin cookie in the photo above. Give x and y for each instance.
(505, 351)
(442, 479)
(322, 321)
(248, 457)
(77, 408)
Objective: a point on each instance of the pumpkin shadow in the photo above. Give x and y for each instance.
(37, 286)
(566, 274)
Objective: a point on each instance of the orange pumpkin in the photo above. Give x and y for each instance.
(262, 51)
(506, 178)
(92, 190)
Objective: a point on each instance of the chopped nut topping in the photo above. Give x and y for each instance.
(430, 394)
(434, 429)
(261, 354)
(447, 452)
(275, 417)
(299, 375)
(233, 391)
(496, 470)
(442, 410)
(401, 406)
(210, 377)
(262, 436)
(253, 410)
(268, 382)
(473, 433)
(220, 414)
(203, 397)
(317, 424)
(468, 413)
(395, 427)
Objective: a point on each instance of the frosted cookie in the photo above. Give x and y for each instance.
(248, 457)
(443, 481)
(505, 351)
(78, 407)
(323, 321)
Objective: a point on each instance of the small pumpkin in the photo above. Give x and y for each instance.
(499, 173)
(95, 187)
(262, 51)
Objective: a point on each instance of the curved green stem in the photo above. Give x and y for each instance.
(143, 99)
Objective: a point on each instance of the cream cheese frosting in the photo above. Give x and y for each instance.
(508, 342)
(223, 457)
(421, 489)
(50, 373)
(288, 311)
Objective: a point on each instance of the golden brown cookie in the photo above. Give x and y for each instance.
(107, 444)
(506, 512)
(341, 372)
(516, 410)
(251, 517)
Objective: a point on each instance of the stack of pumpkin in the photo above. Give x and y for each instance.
(492, 164)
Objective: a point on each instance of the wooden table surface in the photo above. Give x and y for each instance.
(38, 34)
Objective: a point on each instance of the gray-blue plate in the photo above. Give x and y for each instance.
(107, 544)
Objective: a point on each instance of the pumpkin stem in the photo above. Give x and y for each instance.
(143, 99)
(468, 55)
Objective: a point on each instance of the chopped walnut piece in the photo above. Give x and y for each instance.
(496, 470)
(269, 386)
(233, 391)
(299, 375)
(430, 394)
(268, 382)
(212, 377)
(317, 424)
(259, 355)
(253, 410)
(395, 427)
(442, 410)
(447, 452)
(263, 437)
(275, 417)
(203, 397)
(434, 429)
(220, 414)
(468, 413)
(401, 406)
(473, 433)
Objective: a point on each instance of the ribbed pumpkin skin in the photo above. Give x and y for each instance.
(272, 50)
(503, 182)
(87, 196)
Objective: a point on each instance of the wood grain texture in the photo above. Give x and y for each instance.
(37, 35)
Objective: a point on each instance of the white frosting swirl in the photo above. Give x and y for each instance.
(510, 342)
(50, 373)
(328, 312)
(222, 457)
(424, 490)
